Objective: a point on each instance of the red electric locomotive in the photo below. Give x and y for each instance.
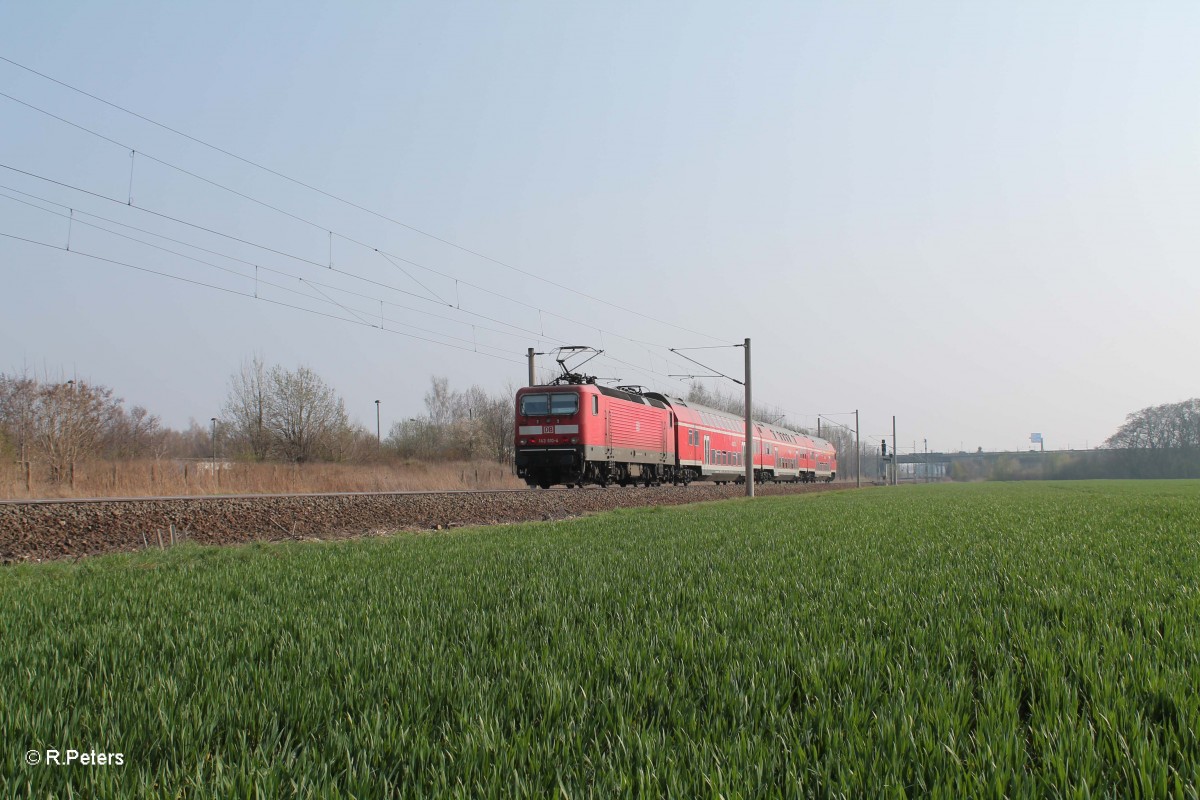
(575, 432)
(584, 433)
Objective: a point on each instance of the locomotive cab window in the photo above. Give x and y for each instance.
(564, 403)
(535, 405)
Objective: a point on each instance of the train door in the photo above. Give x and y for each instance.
(707, 451)
(608, 448)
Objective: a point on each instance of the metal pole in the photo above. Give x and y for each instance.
(895, 452)
(214, 443)
(927, 461)
(749, 429)
(378, 429)
(532, 377)
(857, 454)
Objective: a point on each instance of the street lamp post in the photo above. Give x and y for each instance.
(214, 448)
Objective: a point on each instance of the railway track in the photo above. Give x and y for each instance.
(70, 500)
(34, 530)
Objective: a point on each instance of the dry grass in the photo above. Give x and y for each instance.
(173, 478)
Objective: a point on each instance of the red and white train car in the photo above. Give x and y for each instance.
(579, 433)
(711, 446)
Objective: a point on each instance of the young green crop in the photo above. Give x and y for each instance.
(986, 640)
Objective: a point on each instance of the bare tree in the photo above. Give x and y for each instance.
(730, 402)
(1168, 426)
(69, 422)
(133, 434)
(458, 425)
(304, 415)
(18, 395)
(1158, 442)
(244, 415)
(496, 419)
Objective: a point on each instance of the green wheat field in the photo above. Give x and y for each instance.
(984, 640)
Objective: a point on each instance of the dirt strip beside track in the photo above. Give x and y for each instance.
(36, 532)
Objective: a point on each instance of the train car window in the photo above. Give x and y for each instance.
(595, 405)
(535, 405)
(564, 403)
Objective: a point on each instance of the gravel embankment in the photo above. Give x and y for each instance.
(36, 532)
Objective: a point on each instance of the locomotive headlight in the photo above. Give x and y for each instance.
(522, 441)
(574, 440)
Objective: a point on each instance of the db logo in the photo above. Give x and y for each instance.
(548, 429)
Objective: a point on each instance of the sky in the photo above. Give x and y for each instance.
(979, 218)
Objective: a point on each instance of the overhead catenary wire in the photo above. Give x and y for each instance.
(322, 266)
(227, 290)
(257, 267)
(355, 312)
(352, 204)
(358, 313)
(292, 216)
(676, 350)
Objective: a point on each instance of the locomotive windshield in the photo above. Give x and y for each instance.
(560, 404)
